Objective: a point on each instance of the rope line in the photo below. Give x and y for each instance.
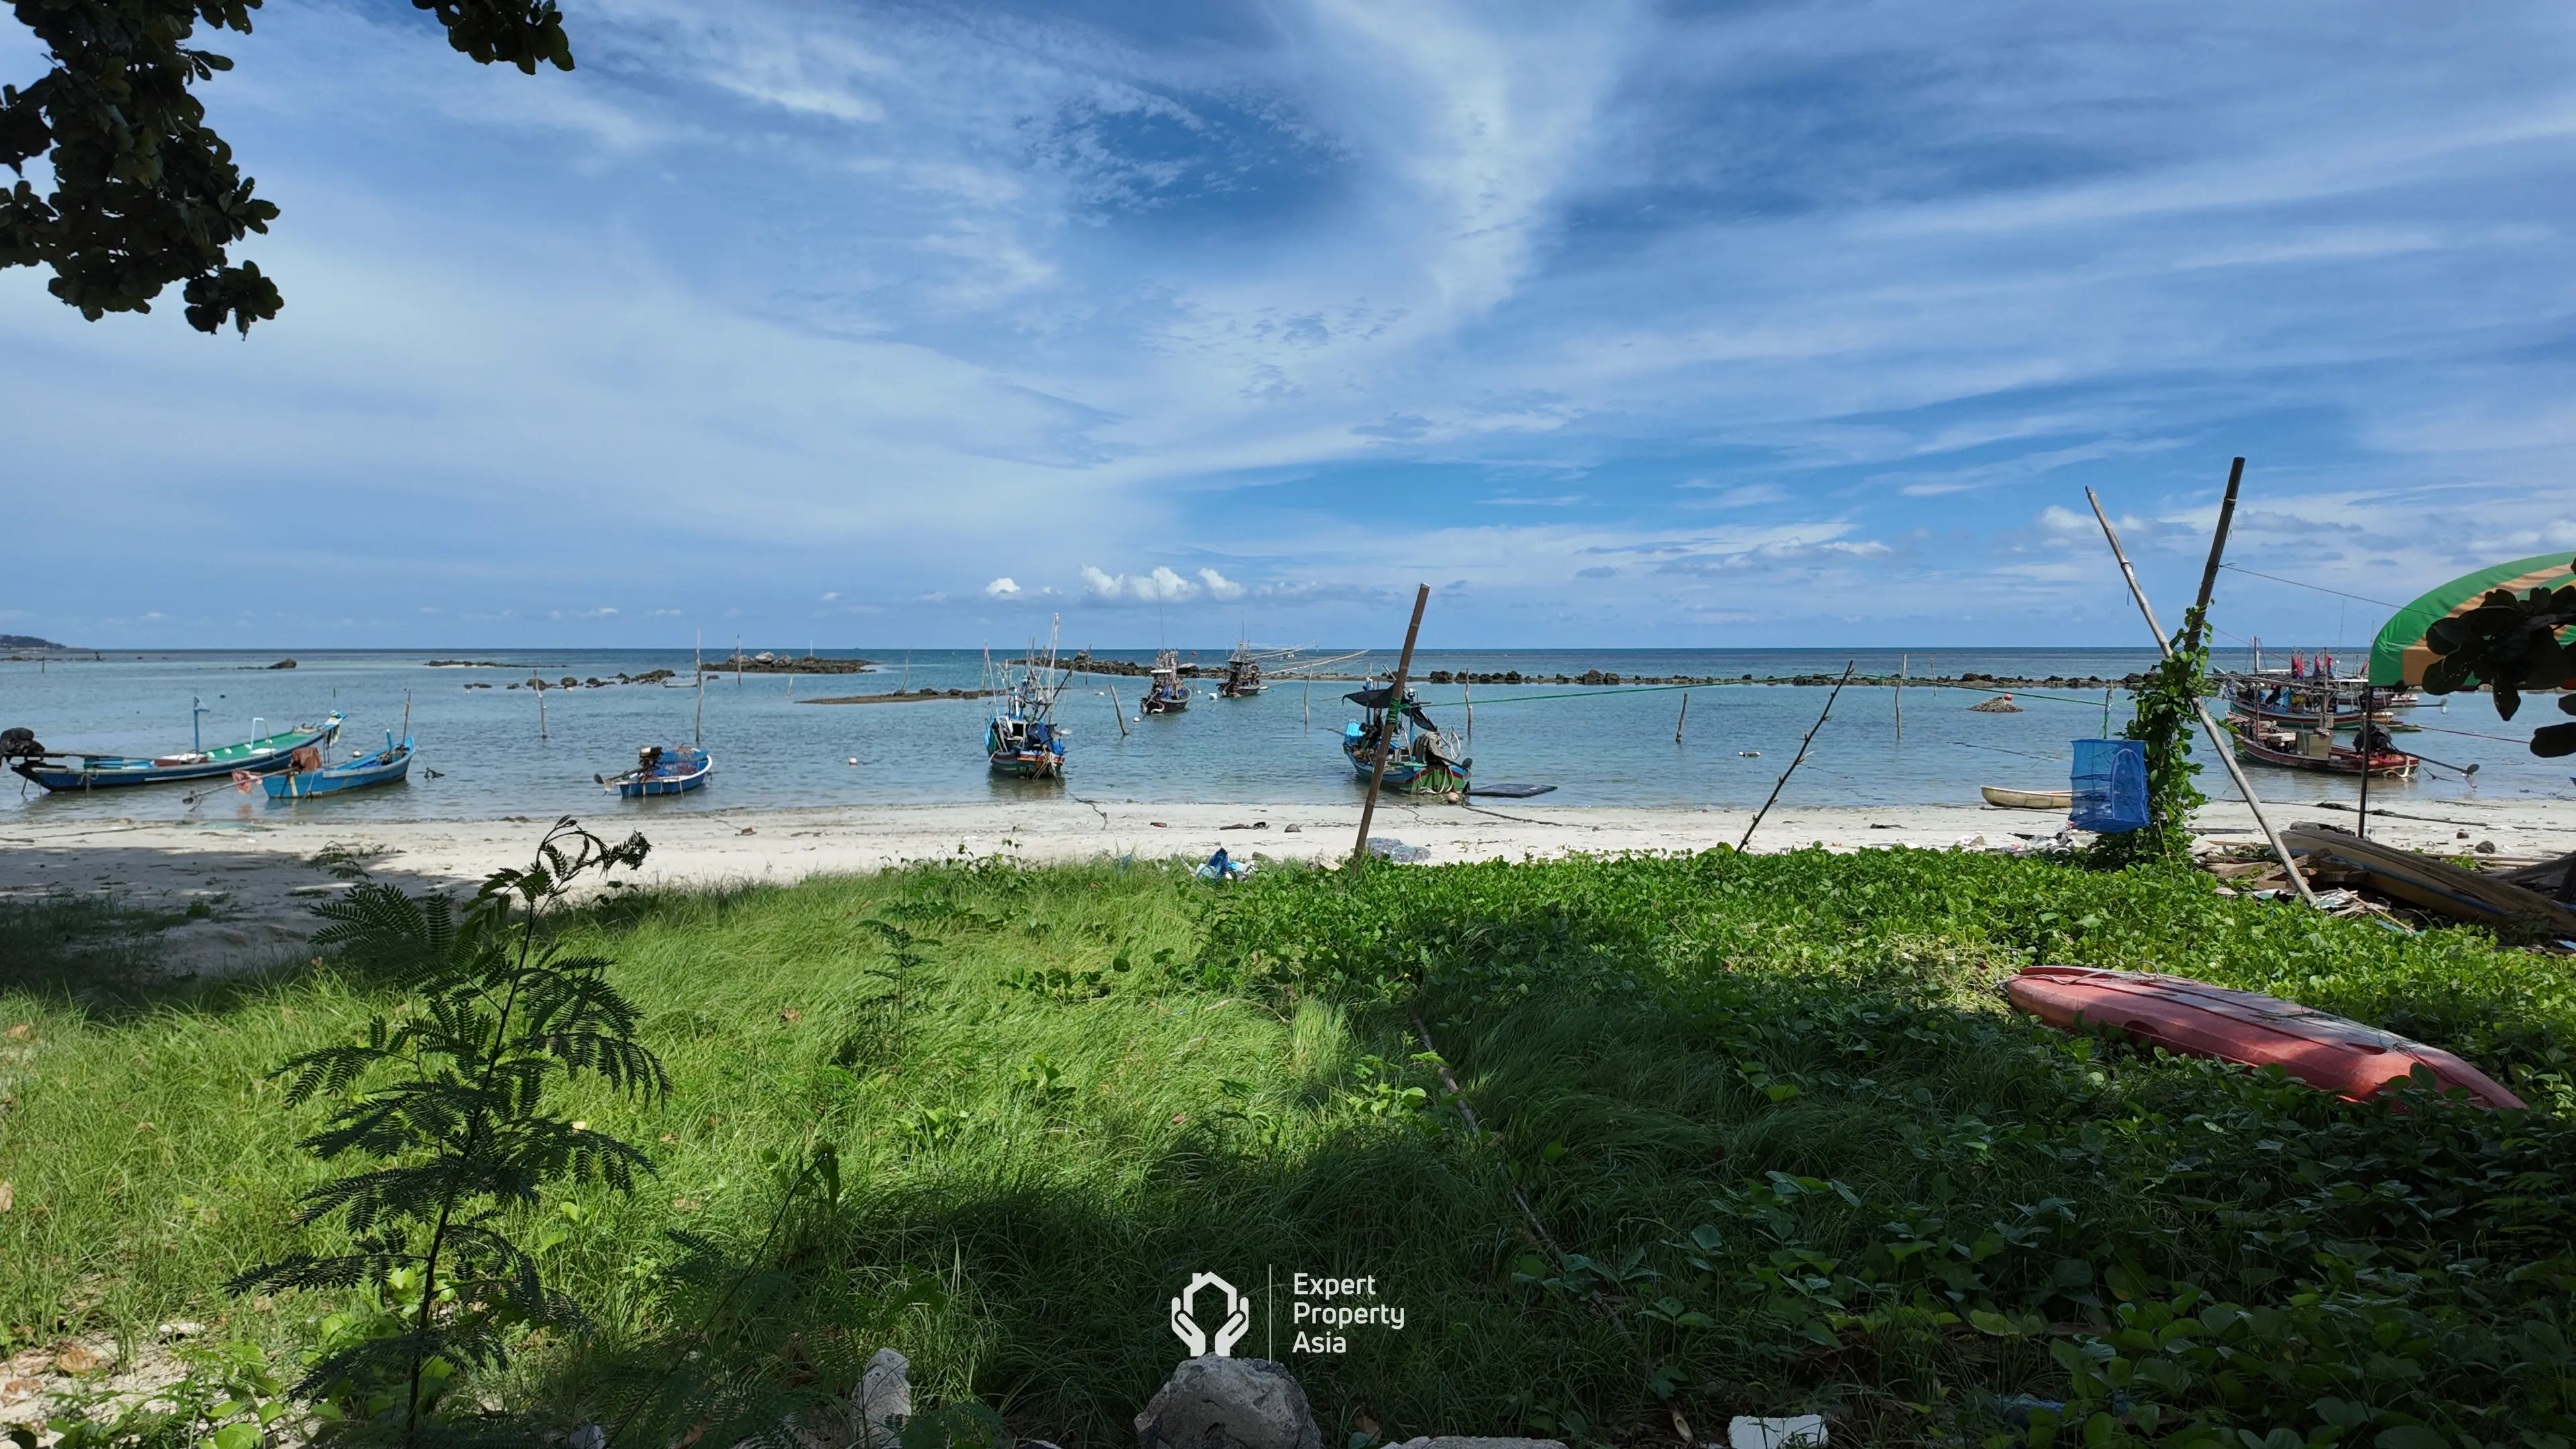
(2320, 588)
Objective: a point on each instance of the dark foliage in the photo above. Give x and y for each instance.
(145, 193)
(2510, 643)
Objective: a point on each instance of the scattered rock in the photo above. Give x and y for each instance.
(80, 1359)
(1228, 1403)
(2484, 847)
(883, 1399)
(1749, 1433)
(283, 664)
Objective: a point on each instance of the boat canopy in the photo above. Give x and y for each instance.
(1378, 697)
(2400, 656)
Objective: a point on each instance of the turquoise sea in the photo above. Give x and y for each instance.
(1600, 747)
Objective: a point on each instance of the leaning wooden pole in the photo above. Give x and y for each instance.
(2217, 550)
(1387, 722)
(2218, 739)
(1782, 783)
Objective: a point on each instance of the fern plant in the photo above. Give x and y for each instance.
(445, 1105)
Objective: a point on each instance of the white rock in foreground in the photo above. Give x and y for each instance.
(1228, 1403)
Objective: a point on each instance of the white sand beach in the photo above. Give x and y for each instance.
(261, 879)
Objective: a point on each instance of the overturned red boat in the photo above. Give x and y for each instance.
(2194, 1018)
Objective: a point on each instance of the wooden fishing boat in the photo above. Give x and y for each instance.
(2433, 884)
(662, 770)
(2012, 799)
(2315, 748)
(1242, 674)
(1168, 694)
(1022, 740)
(305, 777)
(72, 770)
(2194, 1018)
(1420, 759)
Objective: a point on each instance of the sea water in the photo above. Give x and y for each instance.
(774, 748)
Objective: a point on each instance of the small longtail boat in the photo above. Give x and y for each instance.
(1420, 759)
(306, 776)
(73, 770)
(661, 770)
(1168, 694)
(2315, 748)
(2194, 1018)
(2011, 799)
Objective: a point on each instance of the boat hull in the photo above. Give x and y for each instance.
(266, 755)
(1408, 776)
(390, 767)
(1028, 764)
(2386, 763)
(1166, 704)
(678, 772)
(2194, 1018)
(2012, 799)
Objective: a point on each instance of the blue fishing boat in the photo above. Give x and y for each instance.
(1022, 740)
(1420, 759)
(75, 770)
(674, 770)
(302, 781)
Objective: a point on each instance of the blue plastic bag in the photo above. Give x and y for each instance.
(2110, 786)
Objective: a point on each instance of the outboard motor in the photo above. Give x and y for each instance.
(19, 743)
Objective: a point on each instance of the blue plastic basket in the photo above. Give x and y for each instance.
(2110, 785)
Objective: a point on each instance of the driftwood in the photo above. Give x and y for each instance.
(2431, 883)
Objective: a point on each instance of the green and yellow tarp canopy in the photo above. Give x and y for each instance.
(2398, 655)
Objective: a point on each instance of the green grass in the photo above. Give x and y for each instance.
(1772, 1105)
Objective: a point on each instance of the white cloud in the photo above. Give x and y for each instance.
(1001, 588)
(833, 597)
(1162, 586)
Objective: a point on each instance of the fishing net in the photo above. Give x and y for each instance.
(2110, 786)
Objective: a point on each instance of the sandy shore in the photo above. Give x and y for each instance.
(261, 879)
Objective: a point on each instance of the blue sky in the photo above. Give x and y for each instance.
(1736, 325)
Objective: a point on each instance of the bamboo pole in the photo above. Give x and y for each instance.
(1394, 712)
(1683, 719)
(2218, 739)
(2217, 548)
(1782, 782)
(1904, 666)
(541, 709)
(1120, 709)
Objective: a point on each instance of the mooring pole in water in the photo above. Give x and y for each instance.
(1120, 709)
(2361, 826)
(1904, 666)
(1394, 711)
(1307, 702)
(1467, 697)
(1684, 719)
(541, 709)
(2218, 739)
(1778, 784)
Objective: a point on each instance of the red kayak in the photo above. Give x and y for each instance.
(2194, 1018)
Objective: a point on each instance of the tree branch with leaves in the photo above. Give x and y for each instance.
(2510, 643)
(146, 194)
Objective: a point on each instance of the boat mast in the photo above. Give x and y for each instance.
(197, 713)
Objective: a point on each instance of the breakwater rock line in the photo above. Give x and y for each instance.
(1084, 664)
(766, 663)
